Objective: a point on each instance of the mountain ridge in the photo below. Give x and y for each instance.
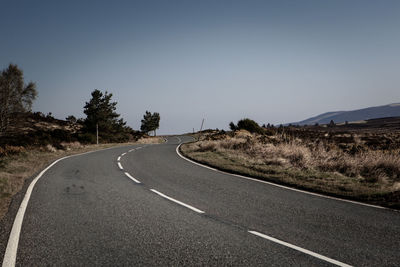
(390, 110)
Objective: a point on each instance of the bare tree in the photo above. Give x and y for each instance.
(16, 97)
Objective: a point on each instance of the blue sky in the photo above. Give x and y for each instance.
(272, 61)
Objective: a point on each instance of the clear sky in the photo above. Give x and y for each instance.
(272, 61)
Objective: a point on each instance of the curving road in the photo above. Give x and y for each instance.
(145, 205)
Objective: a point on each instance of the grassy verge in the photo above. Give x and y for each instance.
(18, 164)
(289, 164)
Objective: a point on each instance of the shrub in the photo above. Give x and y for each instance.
(71, 119)
(207, 146)
(232, 126)
(249, 125)
(87, 138)
(11, 150)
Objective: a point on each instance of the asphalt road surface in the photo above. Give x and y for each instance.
(145, 205)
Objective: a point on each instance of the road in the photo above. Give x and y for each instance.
(145, 205)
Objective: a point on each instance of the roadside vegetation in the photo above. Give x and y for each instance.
(29, 141)
(150, 122)
(347, 162)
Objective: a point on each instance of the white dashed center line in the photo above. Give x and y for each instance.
(120, 166)
(133, 179)
(306, 251)
(283, 243)
(177, 201)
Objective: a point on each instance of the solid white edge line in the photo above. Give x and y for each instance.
(120, 166)
(10, 254)
(12, 245)
(306, 251)
(177, 201)
(133, 179)
(119, 158)
(123, 154)
(281, 186)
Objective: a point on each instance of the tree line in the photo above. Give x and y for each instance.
(16, 100)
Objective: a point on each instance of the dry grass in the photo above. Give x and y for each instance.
(368, 175)
(150, 140)
(18, 164)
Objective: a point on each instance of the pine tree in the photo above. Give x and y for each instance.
(155, 122)
(150, 122)
(146, 122)
(100, 111)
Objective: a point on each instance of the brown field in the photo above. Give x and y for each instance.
(359, 163)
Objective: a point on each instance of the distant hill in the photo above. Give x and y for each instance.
(392, 110)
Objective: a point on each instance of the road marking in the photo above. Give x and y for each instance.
(131, 150)
(10, 254)
(120, 166)
(177, 201)
(278, 185)
(123, 154)
(119, 158)
(12, 245)
(306, 251)
(179, 140)
(133, 179)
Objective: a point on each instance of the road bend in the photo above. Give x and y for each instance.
(145, 205)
